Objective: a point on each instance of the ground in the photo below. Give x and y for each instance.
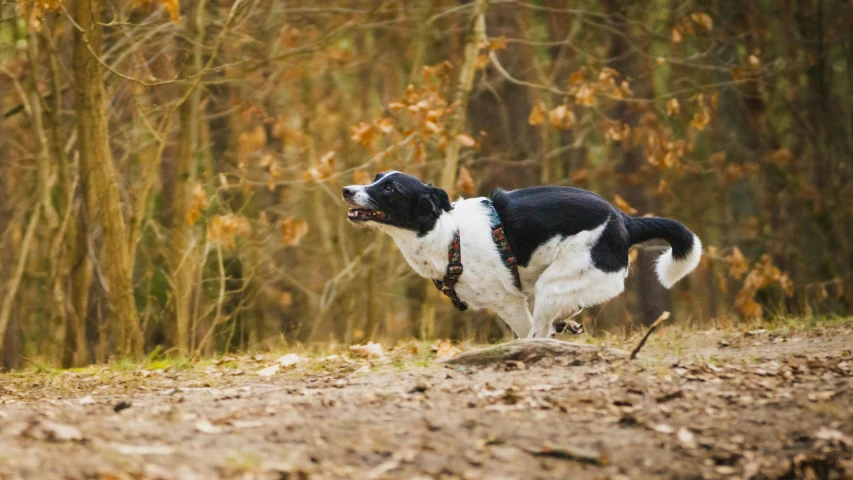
(775, 403)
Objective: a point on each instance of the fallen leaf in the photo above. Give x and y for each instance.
(204, 426)
(445, 349)
(54, 432)
(142, 449)
(371, 350)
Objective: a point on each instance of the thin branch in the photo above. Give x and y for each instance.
(662, 318)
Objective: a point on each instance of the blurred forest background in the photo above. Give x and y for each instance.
(170, 170)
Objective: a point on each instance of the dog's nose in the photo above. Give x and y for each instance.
(348, 192)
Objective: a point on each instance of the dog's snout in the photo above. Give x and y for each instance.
(348, 192)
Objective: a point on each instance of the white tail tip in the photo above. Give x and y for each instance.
(670, 270)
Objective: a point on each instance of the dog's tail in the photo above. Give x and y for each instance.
(685, 248)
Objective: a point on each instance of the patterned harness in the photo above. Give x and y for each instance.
(454, 259)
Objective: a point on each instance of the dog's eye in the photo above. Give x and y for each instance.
(389, 188)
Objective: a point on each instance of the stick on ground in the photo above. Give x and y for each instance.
(662, 318)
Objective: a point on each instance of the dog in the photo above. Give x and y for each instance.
(559, 249)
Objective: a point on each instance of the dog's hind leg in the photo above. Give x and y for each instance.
(567, 325)
(560, 294)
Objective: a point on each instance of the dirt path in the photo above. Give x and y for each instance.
(745, 406)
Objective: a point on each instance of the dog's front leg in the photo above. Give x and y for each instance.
(544, 313)
(516, 314)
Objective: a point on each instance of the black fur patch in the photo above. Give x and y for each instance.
(532, 216)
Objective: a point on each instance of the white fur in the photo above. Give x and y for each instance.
(670, 270)
(485, 281)
(570, 281)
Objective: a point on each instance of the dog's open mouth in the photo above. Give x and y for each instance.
(362, 214)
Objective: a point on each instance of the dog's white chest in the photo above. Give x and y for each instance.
(485, 280)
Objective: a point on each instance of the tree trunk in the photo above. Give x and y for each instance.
(183, 261)
(97, 169)
(652, 296)
(476, 35)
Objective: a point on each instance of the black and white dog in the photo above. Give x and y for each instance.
(568, 246)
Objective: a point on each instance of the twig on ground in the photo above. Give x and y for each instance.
(578, 454)
(662, 318)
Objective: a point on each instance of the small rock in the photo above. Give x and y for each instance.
(663, 428)
(289, 360)
(269, 371)
(687, 438)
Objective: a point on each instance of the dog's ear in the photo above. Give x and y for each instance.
(432, 202)
(439, 198)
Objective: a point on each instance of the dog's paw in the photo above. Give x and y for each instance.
(567, 326)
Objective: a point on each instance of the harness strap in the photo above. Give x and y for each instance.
(454, 259)
(454, 270)
(499, 237)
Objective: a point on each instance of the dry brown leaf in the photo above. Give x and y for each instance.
(701, 119)
(580, 176)
(293, 231)
(537, 115)
(739, 263)
(676, 34)
(362, 134)
(498, 43)
(385, 125)
(561, 118)
(465, 183)
(482, 61)
(577, 77)
(198, 204)
(445, 349)
(704, 20)
(285, 299)
(585, 95)
(225, 229)
(623, 205)
(173, 7)
(673, 107)
(465, 140)
(754, 61)
(371, 350)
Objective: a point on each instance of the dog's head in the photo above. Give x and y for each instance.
(398, 200)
